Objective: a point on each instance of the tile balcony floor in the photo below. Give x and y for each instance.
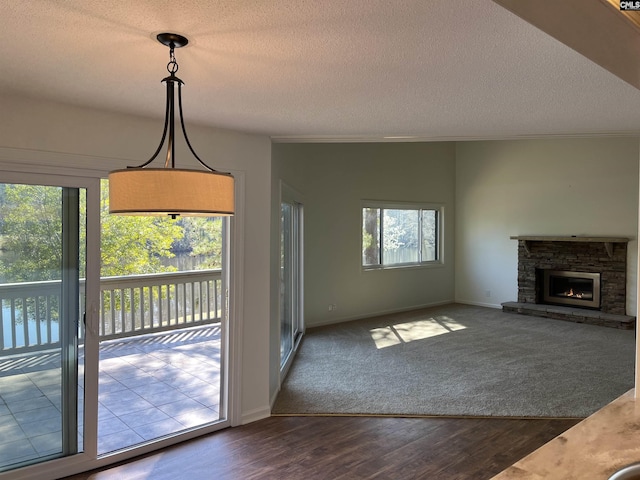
(149, 386)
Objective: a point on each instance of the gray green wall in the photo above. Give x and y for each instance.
(334, 179)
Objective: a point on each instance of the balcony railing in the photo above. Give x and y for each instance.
(129, 305)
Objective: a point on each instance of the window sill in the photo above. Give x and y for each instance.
(379, 268)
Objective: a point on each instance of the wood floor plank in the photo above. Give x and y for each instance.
(346, 448)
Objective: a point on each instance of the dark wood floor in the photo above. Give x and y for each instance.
(309, 448)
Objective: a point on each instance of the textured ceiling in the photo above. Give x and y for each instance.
(362, 69)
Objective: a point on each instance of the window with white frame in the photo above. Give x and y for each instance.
(396, 234)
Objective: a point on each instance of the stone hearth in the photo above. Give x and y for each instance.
(577, 315)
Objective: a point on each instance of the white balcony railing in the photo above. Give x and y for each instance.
(129, 305)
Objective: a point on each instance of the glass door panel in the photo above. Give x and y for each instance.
(41, 259)
(290, 279)
(162, 327)
(286, 283)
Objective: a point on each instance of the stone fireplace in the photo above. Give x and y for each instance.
(582, 279)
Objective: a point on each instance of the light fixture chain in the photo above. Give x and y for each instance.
(172, 66)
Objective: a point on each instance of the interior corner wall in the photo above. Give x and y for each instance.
(113, 140)
(334, 179)
(579, 186)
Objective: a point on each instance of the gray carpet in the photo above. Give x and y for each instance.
(458, 360)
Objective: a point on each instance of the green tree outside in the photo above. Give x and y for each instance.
(134, 244)
(202, 238)
(31, 232)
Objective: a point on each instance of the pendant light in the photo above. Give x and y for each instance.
(169, 190)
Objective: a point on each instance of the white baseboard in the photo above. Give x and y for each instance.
(255, 414)
(377, 313)
(479, 304)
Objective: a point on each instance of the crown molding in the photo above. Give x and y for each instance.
(428, 138)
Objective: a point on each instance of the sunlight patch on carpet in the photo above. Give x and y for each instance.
(399, 333)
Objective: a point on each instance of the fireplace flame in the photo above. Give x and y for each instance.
(573, 294)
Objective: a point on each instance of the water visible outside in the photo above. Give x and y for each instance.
(183, 262)
(32, 326)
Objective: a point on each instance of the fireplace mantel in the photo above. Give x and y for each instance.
(608, 241)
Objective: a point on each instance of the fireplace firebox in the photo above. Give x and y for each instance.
(581, 289)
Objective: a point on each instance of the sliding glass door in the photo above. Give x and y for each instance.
(42, 258)
(291, 262)
(151, 334)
